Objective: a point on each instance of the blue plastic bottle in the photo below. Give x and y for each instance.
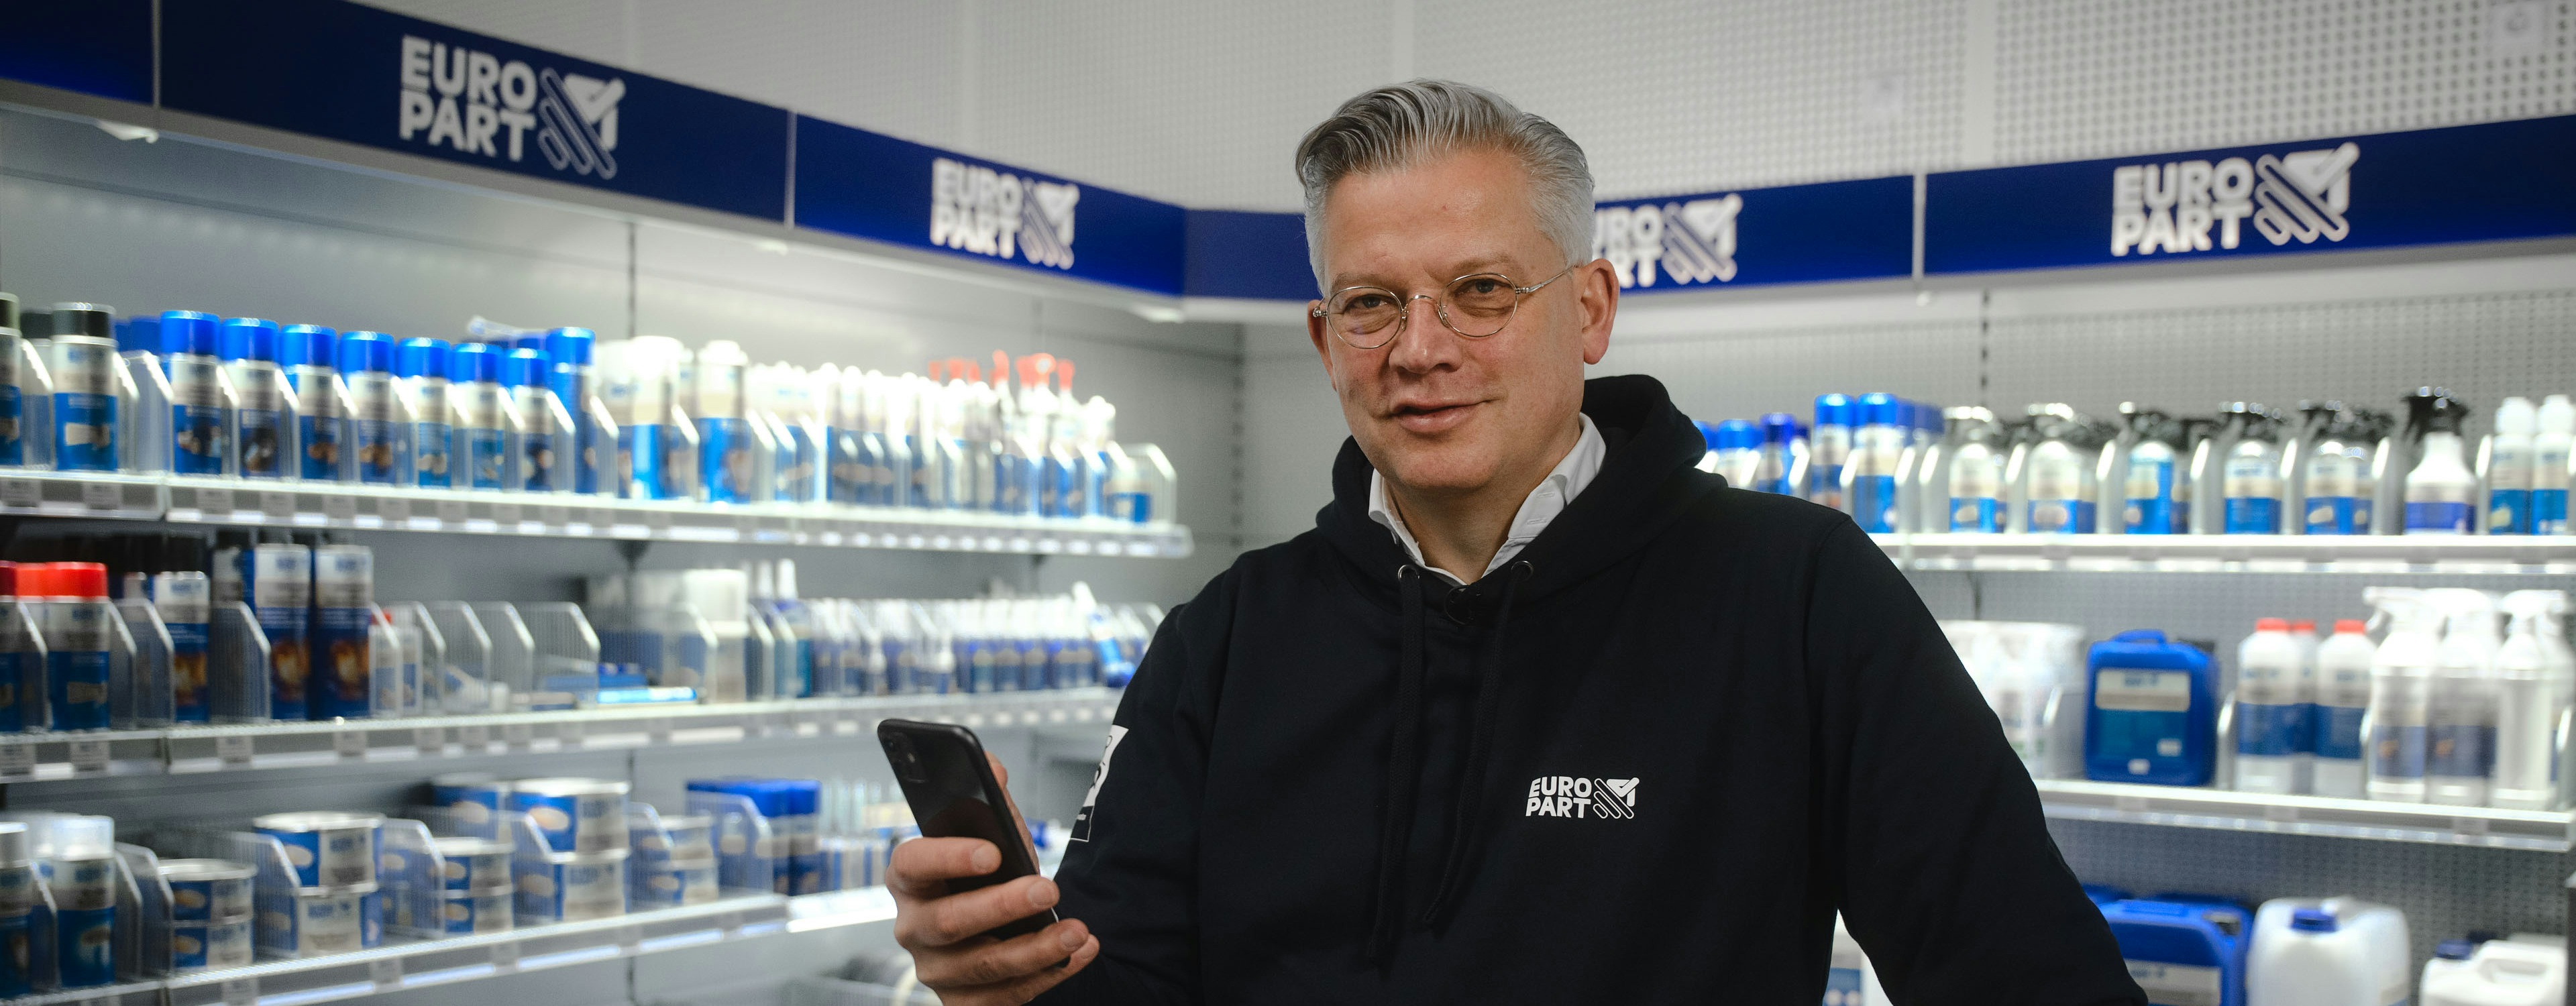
(1739, 452)
(1877, 448)
(574, 380)
(198, 417)
(2151, 711)
(1829, 446)
(542, 424)
(248, 347)
(308, 353)
(1779, 440)
(423, 364)
(379, 437)
(482, 420)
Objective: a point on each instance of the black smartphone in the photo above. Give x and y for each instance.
(953, 794)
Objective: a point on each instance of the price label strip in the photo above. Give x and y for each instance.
(215, 502)
(17, 759)
(24, 494)
(89, 757)
(102, 495)
(233, 749)
(350, 745)
(387, 973)
(432, 741)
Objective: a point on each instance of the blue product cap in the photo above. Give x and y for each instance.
(804, 796)
(570, 346)
(1707, 434)
(366, 351)
(248, 339)
(2454, 950)
(189, 332)
(526, 368)
(309, 346)
(475, 361)
(1927, 417)
(529, 340)
(1833, 409)
(1779, 428)
(1878, 408)
(139, 334)
(421, 357)
(1738, 434)
(2311, 920)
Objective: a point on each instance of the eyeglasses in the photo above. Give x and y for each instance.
(1475, 306)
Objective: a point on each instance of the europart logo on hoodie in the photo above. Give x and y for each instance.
(1576, 796)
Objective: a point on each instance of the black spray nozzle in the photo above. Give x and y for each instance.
(2434, 410)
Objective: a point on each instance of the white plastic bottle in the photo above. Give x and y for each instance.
(2496, 973)
(2330, 952)
(2460, 743)
(2272, 700)
(1977, 475)
(2343, 695)
(2509, 467)
(2401, 687)
(2251, 479)
(1830, 443)
(2059, 480)
(2532, 691)
(1878, 448)
(2549, 459)
(2440, 488)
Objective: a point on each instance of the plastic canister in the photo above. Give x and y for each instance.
(689, 881)
(317, 921)
(2274, 699)
(680, 836)
(2152, 711)
(328, 849)
(281, 595)
(344, 579)
(2334, 952)
(2182, 953)
(473, 801)
(569, 887)
(575, 815)
(208, 889)
(2496, 973)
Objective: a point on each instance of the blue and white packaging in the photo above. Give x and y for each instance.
(462, 913)
(2250, 479)
(570, 887)
(211, 946)
(422, 364)
(85, 402)
(726, 447)
(280, 588)
(199, 418)
(309, 354)
(1878, 448)
(2550, 447)
(344, 578)
(185, 602)
(328, 849)
(473, 864)
(544, 431)
(203, 890)
(2440, 490)
(1829, 447)
(2149, 491)
(321, 922)
(473, 801)
(675, 882)
(2059, 479)
(2509, 467)
(575, 815)
(2182, 953)
(79, 629)
(380, 433)
(86, 945)
(2151, 713)
(575, 381)
(481, 416)
(13, 421)
(248, 348)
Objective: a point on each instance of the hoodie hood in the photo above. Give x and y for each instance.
(1647, 481)
(1634, 498)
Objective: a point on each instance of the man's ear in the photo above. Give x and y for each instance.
(1599, 303)
(1323, 343)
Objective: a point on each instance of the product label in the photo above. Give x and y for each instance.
(1132, 507)
(2253, 515)
(196, 416)
(77, 635)
(2339, 731)
(1828, 448)
(281, 591)
(2143, 715)
(13, 445)
(2177, 984)
(2149, 492)
(2549, 511)
(84, 432)
(13, 691)
(2437, 518)
(487, 456)
(2509, 511)
(429, 452)
(320, 438)
(88, 947)
(726, 460)
(2397, 752)
(183, 606)
(2334, 515)
(1874, 503)
(2073, 516)
(2271, 730)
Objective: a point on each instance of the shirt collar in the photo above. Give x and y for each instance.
(1567, 480)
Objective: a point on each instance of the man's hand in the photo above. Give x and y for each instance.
(943, 931)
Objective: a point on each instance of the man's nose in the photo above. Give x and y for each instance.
(1424, 344)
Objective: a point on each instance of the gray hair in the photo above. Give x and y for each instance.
(1403, 124)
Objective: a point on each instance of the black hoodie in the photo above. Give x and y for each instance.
(1644, 762)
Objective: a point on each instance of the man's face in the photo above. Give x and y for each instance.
(1436, 413)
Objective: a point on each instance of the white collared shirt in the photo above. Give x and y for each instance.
(1546, 501)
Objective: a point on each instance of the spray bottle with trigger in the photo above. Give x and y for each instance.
(2461, 718)
(2440, 493)
(2401, 686)
(2535, 684)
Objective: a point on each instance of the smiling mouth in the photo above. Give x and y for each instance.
(1431, 418)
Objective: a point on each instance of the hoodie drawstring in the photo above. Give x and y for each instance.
(1480, 747)
(1403, 774)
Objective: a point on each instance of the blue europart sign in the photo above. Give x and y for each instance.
(346, 72)
(2497, 182)
(1817, 233)
(867, 185)
(98, 47)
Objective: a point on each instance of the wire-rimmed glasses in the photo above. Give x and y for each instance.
(1475, 306)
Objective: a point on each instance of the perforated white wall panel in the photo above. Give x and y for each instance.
(1745, 374)
(2093, 78)
(1676, 96)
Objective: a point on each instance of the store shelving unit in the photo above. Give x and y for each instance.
(311, 505)
(2227, 810)
(2234, 553)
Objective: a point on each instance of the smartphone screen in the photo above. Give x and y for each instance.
(950, 785)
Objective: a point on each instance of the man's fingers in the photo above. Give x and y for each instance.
(1006, 961)
(942, 921)
(1001, 774)
(919, 866)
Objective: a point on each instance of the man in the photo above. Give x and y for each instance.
(1537, 713)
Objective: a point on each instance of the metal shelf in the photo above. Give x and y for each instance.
(311, 505)
(229, 748)
(2233, 553)
(2227, 810)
